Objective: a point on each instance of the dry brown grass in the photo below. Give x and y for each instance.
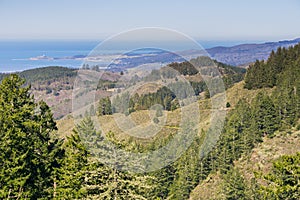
(65, 126)
(210, 188)
(270, 149)
(237, 92)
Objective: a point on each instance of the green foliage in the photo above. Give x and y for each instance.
(163, 181)
(105, 84)
(268, 74)
(187, 172)
(47, 73)
(104, 107)
(206, 66)
(86, 175)
(164, 96)
(228, 105)
(155, 120)
(170, 95)
(54, 78)
(37, 165)
(48, 78)
(265, 115)
(107, 183)
(70, 175)
(298, 127)
(158, 112)
(236, 139)
(284, 180)
(234, 186)
(282, 69)
(256, 76)
(121, 103)
(184, 68)
(29, 154)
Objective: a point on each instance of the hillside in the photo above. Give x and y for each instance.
(247, 53)
(54, 85)
(252, 154)
(260, 160)
(270, 168)
(44, 78)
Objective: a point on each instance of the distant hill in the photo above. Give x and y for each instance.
(44, 76)
(239, 55)
(247, 53)
(54, 84)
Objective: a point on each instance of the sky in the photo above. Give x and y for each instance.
(199, 19)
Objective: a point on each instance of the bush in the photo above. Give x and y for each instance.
(228, 105)
(155, 120)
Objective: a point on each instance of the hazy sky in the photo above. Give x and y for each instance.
(98, 19)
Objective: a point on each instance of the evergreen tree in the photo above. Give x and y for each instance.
(234, 186)
(265, 115)
(71, 174)
(283, 181)
(29, 153)
(104, 107)
(187, 172)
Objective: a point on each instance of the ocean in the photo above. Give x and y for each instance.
(22, 55)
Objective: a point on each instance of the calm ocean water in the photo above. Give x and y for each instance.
(19, 55)
(15, 55)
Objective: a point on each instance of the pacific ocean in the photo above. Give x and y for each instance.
(21, 55)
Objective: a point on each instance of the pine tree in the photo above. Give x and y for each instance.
(29, 153)
(265, 115)
(187, 172)
(71, 173)
(104, 107)
(234, 186)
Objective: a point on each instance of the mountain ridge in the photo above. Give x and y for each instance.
(244, 54)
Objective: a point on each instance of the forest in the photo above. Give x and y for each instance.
(39, 163)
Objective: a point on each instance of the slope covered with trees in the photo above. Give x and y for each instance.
(36, 163)
(48, 78)
(249, 122)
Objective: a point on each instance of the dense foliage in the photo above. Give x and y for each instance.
(282, 70)
(29, 155)
(276, 70)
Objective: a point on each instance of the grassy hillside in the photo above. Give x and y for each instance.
(55, 84)
(270, 168)
(254, 157)
(259, 161)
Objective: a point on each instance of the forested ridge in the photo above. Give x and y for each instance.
(37, 163)
(48, 78)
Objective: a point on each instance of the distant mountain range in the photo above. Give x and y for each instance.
(246, 53)
(239, 55)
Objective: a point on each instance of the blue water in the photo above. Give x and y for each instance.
(15, 55)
